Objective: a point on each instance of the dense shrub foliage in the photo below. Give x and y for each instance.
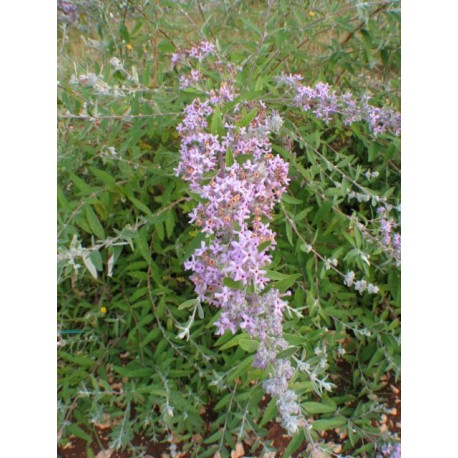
(229, 224)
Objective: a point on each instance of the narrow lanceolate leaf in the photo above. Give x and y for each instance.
(103, 176)
(217, 127)
(81, 184)
(96, 259)
(296, 441)
(229, 158)
(247, 118)
(140, 205)
(169, 223)
(274, 275)
(285, 283)
(249, 345)
(214, 437)
(264, 245)
(287, 352)
(318, 407)
(270, 412)
(329, 423)
(291, 200)
(289, 233)
(94, 223)
(143, 247)
(90, 266)
(78, 432)
(233, 341)
(232, 283)
(241, 368)
(187, 304)
(62, 200)
(141, 372)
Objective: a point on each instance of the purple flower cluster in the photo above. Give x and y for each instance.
(390, 451)
(202, 50)
(237, 202)
(389, 239)
(325, 103)
(236, 209)
(199, 52)
(67, 12)
(190, 80)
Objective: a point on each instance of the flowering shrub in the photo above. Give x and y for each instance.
(277, 191)
(229, 164)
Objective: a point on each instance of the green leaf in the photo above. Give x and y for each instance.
(214, 437)
(249, 345)
(200, 311)
(80, 360)
(143, 247)
(94, 223)
(80, 184)
(291, 200)
(103, 176)
(264, 245)
(373, 151)
(217, 127)
(229, 158)
(286, 283)
(289, 232)
(90, 266)
(187, 304)
(96, 259)
(195, 243)
(322, 212)
(318, 407)
(270, 412)
(362, 451)
(137, 373)
(287, 352)
(152, 335)
(160, 231)
(227, 281)
(140, 205)
(329, 423)
(232, 342)
(241, 368)
(223, 401)
(78, 432)
(169, 223)
(247, 118)
(62, 200)
(344, 162)
(274, 275)
(294, 444)
(294, 339)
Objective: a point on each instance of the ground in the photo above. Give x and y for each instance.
(279, 439)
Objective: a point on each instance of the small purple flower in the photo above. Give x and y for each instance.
(201, 51)
(385, 227)
(325, 103)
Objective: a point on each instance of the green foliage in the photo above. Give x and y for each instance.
(134, 343)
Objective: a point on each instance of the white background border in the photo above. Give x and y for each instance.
(429, 228)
